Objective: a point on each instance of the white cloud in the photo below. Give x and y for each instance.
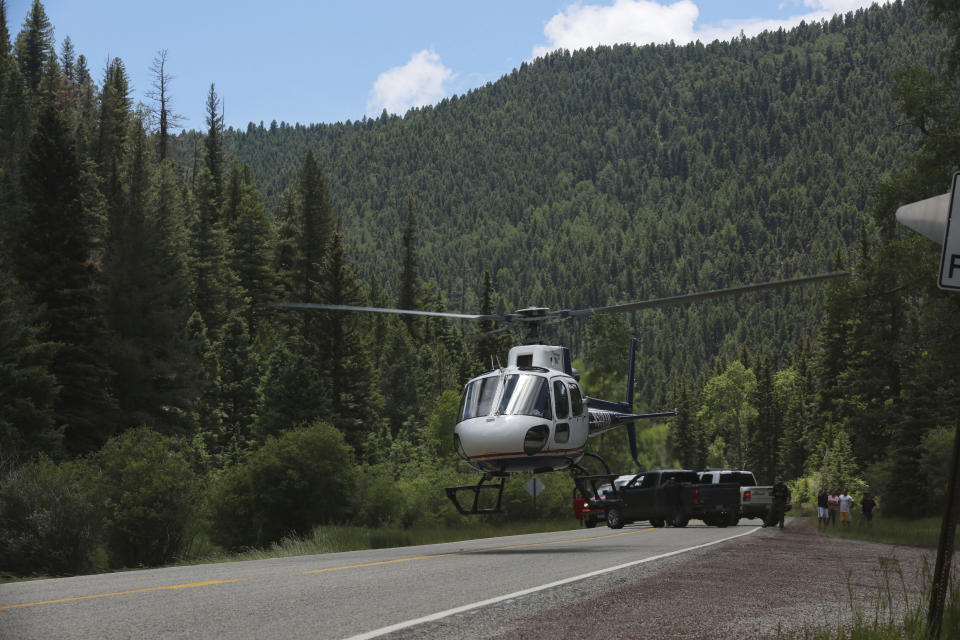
(634, 21)
(649, 22)
(419, 82)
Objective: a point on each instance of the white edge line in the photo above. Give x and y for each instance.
(516, 594)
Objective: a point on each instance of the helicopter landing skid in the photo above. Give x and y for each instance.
(475, 506)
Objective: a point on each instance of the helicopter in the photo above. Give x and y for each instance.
(531, 416)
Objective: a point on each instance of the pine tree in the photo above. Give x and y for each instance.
(213, 145)
(14, 137)
(682, 436)
(316, 224)
(343, 352)
(490, 347)
(57, 262)
(113, 133)
(408, 285)
(146, 304)
(766, 430)
(239, 368)
(34, 45)
(28, 391)
(251, 245)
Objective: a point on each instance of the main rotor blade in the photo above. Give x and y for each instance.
(410, 312)
(704, 295)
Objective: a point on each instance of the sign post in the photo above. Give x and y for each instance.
(948, 531)
(534, 486)
(931, 217)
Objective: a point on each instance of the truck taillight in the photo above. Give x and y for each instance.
(746, 496)
(696, 494)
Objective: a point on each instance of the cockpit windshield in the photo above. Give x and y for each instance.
(478, 397)
(526, 395)
(523, 394)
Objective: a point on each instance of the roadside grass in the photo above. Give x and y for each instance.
(924, 532)
(896, 613)
(336, 538)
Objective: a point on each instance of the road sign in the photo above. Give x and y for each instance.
(535, 486)
(950, 257)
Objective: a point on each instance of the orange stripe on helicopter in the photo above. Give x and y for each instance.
(521, 453)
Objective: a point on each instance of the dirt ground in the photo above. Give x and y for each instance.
(770, 583)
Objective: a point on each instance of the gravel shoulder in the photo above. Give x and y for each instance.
(768, 583)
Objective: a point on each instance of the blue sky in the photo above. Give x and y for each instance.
(313, 61)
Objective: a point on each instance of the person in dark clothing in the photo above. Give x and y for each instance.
(823, 508)
(868, 504)
(778, 511)
(672, 492)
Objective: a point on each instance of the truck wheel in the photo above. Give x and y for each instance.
(733, 519)
(589, 523)
(709, 521)
(657, 523)
(722, 520)
(681, 522)
(614, 520)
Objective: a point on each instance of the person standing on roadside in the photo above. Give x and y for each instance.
(846, 503)
(868, 504)
(833, 505)
(778, 511)
(823, 509)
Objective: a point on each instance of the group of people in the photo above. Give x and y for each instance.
(829, 504)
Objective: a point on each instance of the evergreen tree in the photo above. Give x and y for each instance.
(34, 45)
(238, 390)
(57, 262)
(213, 282)
(343, 352)
(251, 245)
(490, 347)
(682, 439)
(767, 429)
(146, 304)
(14, 136)
(316, 224)
(114, 127)
(408, 285)
(213, 145)
(28, 390)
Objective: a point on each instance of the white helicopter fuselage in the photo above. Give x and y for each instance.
(528, 417)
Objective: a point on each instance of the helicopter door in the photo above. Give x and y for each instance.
(561, 404)
(579, 421)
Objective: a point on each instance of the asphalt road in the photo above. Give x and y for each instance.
(339, 595)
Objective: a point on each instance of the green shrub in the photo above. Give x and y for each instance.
(293, 483)
(150, 498)
(378, 500)
(47, 521)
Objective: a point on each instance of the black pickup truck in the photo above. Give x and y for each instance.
(671, 496)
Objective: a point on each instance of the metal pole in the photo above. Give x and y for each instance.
(948, 529)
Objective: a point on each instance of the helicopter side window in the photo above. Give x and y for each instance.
(526, 395)
(561, 399)
(576, 400)
(478, 398)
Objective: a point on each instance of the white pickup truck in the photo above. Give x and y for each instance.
(755, 501)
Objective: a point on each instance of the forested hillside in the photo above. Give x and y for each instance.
(153, 401)
(627, 173)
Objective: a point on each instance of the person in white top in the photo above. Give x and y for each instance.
(846, 503)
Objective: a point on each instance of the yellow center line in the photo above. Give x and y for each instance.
(122, 593)
(341, 568)
(463, 553)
